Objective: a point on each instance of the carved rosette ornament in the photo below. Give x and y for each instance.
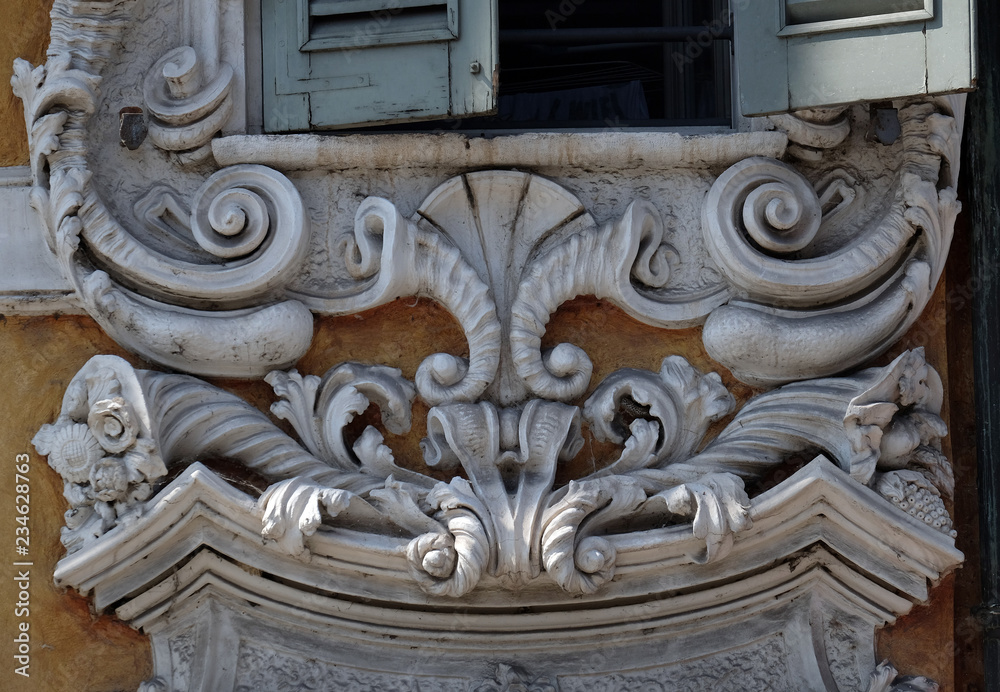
(683, 537)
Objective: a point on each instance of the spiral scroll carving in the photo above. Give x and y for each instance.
(234, 210)
(817, 315)
(578, 562)
(450, 564)
(246, 191)
(780, 218)
(228, 221)
(187, 111)
(757, 211)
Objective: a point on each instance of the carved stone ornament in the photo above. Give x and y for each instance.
(761, 556)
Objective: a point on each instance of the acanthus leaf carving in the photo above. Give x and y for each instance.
(451, 560)
(682, 400)
(293, 509)
(319, 410)
(510, 457)
(577, 560)
(506, 519)
(878, 419)
(718, 506)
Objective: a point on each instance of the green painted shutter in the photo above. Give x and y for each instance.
(795, 54)
(342, 63)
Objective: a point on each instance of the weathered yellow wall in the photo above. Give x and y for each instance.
(72, 649)
(24, 33)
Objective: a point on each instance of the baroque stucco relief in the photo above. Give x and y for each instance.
(804, 252)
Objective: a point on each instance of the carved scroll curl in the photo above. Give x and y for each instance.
(816, 315)
(812, 131)
(188, 316)
(577, 561)
(393, 259)
(187, 111)
(233, 211)
(615, 263)
(681, 400)
(451, 563)
(776, 207)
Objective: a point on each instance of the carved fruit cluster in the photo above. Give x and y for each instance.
(912, 493)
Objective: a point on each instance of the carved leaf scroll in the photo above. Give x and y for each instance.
(614, 262)
(243, 205)
(392, 258)
(819, 314)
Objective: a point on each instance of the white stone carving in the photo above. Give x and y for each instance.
(812, 131)
(673, 563)
(260, 667)
(504, 518)
(881, 419)
(818, 544)
(189, 107)
(609, 151)
(615, 263)
(759, 666)
(104, 448)
(782, 319)
(785, 271)
(390, 257)
(233, 211)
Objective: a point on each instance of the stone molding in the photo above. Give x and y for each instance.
(802, 252)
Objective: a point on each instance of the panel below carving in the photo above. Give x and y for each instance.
(759, 666)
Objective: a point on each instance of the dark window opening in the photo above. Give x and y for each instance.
(608, 64)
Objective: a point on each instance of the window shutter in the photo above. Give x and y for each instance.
(342, 63)
(795, 54)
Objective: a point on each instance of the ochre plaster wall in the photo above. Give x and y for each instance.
(24, 33)
(73, 649)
